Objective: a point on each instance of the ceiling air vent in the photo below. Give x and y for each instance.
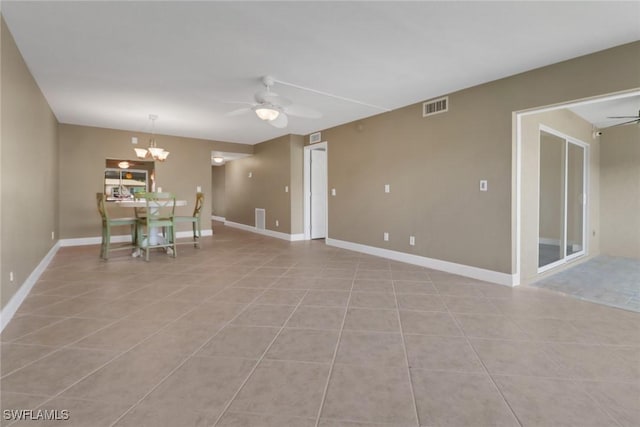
(435, 106)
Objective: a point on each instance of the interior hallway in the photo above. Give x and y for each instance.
(255, 331)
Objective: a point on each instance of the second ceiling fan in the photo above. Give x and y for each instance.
(274, 108)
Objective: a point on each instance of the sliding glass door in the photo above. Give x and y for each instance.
(562, 207)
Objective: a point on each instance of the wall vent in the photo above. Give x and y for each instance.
(315, 138)
(261, 217)
(435, 106)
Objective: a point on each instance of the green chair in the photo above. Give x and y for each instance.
(108, 222)
(160, 213)
(194, 220)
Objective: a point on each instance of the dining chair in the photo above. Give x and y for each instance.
(108, 222)
(194, 220)
(160, 214)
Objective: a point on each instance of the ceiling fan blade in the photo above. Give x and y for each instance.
(624, 123)
(268, 97)
(280, 122)
(624, 117)
(302, 111)
(237, 112)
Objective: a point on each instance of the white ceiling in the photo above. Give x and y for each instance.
(599, 113)
(111, 64)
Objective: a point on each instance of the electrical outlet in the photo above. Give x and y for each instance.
(277, 223)
(412, 240)
(198, 189)
(134, 140)
(387, 188)
(11, 276)
(385, 236)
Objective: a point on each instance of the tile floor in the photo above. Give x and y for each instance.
(609, 280)
(254, 331)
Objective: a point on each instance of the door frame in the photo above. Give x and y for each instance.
(517, 165)
(307, 188)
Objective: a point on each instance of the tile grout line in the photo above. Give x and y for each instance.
(335, 351)
(116, 356)
(406, 358)
(486, 370)
(190, 356)
(260, 359)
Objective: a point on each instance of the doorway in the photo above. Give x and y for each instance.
(315, 191)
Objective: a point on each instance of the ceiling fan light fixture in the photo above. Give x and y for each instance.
(267, 112)
(141, 153)
(217, 159)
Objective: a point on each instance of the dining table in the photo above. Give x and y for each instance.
(154, 235)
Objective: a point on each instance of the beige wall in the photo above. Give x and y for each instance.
(620, 191)
(567, 123)
(434, 164)
(274, 165)
(29, 170)
(218, 192)
(296, 184)
(83, 151)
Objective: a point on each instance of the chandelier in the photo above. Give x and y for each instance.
(153, 151)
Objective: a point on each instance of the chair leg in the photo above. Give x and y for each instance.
(102, 242)
(107, 241)
(173, 241)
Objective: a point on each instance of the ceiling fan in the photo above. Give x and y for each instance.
(274, 108)
(634, 119)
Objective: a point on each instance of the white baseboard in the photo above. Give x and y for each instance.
(7, 312)
(505, 279)
(124, 238)
(218, 218)
(270, 233)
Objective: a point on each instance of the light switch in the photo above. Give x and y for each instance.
(286, 188)
(387, 188)
(134, 139)
(250, 174)
(198, 189)
(483, 185)
(412, 240)
(333, 191)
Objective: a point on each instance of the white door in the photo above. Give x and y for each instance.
(318, 194)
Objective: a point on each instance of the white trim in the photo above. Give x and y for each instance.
(218, 218)
(266, 232)
(7, 313)
(518, 161)
(124, 238)
(307, 188)
(505, 279)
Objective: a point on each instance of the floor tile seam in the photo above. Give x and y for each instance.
(68, 346)
(255, 366)
(188, 357)
(13, 341)
(568, 343)
(486, 370)
(406, 359)
(116, 356)
(182, 362)
(557, 378)
(335, 355)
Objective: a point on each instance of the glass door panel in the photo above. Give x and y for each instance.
(575, 198)
(552, 179)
